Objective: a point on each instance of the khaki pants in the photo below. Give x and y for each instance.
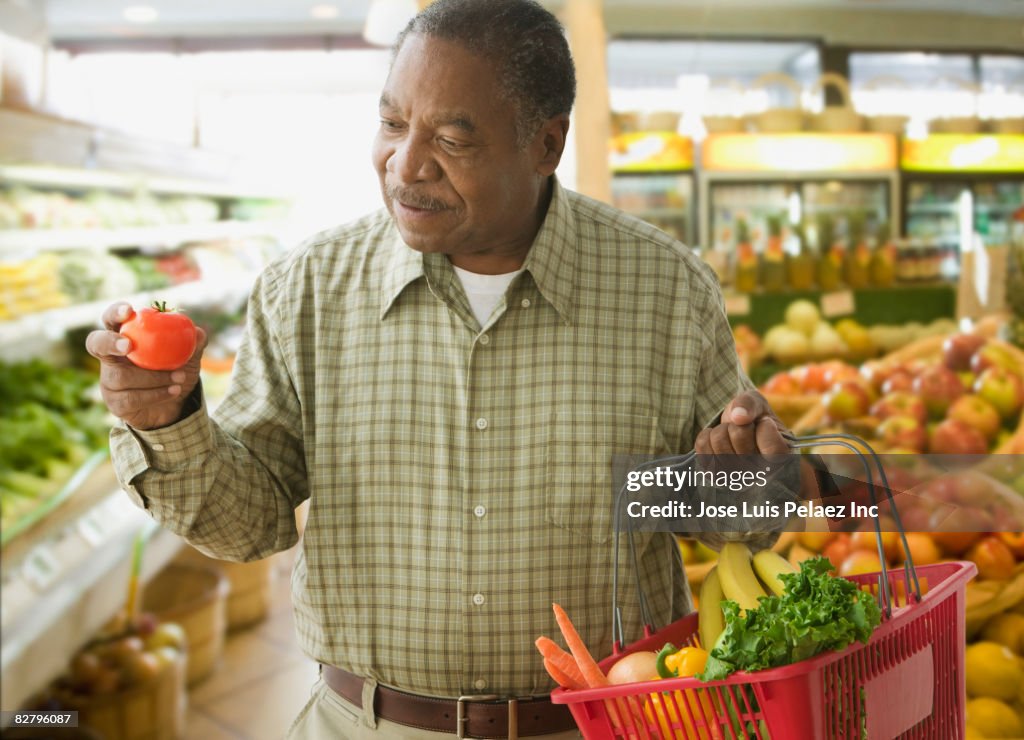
(327, 716)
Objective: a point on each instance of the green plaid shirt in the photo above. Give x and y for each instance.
(459, 475)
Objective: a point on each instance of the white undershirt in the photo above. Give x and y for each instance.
(484, 291)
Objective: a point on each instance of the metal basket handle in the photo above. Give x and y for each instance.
(796, 443)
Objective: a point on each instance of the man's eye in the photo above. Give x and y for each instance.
(390, 125)
(452, 144)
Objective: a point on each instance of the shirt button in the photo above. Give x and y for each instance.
(481, 423)
(158, 447)
(485, 339)
(480, 684)
(479, 599)
(526, 303)
(480, 511)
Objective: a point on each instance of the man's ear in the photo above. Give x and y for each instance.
(550, 142)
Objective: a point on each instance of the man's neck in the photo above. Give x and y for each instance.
(501, 263)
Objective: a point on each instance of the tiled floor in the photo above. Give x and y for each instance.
(263, 680)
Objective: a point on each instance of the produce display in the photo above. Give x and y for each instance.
(30, 285)
(49, 426)
(29, 208)
(962, 394)
(129, 682)
(122, 659)
(805, 336)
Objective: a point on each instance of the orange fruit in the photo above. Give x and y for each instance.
(860, 561)
(993, 558)
(923, 549)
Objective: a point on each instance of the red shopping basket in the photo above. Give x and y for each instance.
(908, 681)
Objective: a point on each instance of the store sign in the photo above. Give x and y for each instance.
(799, 152)
(650, 151)
(737, 304)
(964, 153)
(838, 303)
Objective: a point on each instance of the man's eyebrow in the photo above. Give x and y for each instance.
(459, 120)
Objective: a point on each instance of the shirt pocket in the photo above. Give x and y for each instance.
(583, 450)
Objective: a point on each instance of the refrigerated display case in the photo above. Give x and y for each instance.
(652, 179)
(958, 188)
(768, 197)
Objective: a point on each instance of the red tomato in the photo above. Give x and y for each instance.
(162, 339)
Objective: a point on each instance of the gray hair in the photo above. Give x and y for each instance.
(525, 44)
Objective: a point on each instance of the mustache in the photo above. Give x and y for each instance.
(409, 197)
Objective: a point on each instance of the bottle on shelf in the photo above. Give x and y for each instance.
(830, 255)
(746, 259)
(801, 266)
(883, 257)
(857, 261)
(773, 260)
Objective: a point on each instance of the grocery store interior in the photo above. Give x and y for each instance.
(852, 171)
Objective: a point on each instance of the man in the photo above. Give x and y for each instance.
(447, 381)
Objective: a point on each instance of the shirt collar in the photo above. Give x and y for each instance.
(405, 265)
(551, 260)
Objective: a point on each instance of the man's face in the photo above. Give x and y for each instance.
(450, 171)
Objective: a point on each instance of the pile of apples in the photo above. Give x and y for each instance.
(967, 402)
(124, 659)
(813, 378)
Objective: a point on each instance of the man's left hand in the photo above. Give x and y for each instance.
(748, 426)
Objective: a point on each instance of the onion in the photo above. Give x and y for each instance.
(638, 666)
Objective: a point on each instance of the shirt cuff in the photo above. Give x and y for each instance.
(171, 448)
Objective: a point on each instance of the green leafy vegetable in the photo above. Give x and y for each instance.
(816, 613)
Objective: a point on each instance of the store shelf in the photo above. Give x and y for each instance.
(169, 236)
(66, 577)
(55, 322)
(900, 303)
(931, 208)
(36, 149)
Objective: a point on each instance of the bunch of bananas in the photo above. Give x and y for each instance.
(741, 577)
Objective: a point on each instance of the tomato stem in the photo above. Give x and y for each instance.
(161, 306)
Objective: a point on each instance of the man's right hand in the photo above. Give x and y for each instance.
(143, 399)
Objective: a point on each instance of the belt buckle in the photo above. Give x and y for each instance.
(461, 719)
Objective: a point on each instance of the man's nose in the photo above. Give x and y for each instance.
(411, 162)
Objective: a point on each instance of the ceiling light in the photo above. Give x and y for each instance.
(386, 19)
(324, 12)
(140, 14)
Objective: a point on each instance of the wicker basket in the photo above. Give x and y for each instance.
(249, 600)
(150, 711)
(886, 123)
(778, 120)
(195, 598)
(250, 584)
(835, 118)
(1006, 125)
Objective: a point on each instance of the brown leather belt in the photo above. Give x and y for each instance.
(477, 716)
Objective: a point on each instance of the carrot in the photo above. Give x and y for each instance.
(565, 680)
(594, 676)
(561, 666)
(591, 671)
